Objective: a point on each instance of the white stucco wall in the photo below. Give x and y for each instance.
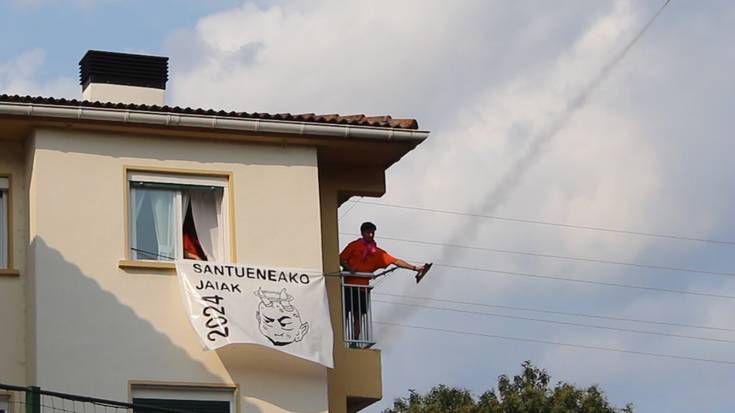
(12, 297)
(97, 327)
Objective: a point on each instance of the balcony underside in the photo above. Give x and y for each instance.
(355, 404)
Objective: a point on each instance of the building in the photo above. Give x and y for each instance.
(88, 297)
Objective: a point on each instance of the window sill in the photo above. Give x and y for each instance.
(9, 272)
(146, 265)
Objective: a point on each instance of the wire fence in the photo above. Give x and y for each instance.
(32, 399)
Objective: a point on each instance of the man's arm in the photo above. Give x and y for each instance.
(344, 256)
(346, 266)
(403, 264)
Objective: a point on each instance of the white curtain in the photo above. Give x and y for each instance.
(184, 204)
(207, 213)
(160, 241)
(163, 221)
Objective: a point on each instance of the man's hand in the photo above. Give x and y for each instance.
(422, 273)
(347, 267)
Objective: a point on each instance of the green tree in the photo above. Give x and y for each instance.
(528, 392)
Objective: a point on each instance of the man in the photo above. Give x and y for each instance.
(363, 255)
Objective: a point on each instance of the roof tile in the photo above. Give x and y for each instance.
(385, 121)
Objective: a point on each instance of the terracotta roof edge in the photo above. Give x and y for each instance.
(384, 121)
(201, 118)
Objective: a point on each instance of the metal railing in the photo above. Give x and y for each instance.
(31, 399)
(356, 310)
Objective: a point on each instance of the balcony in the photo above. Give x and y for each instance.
(357, 310)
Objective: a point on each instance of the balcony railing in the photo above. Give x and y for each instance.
(356, 310)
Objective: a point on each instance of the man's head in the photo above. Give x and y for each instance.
(367, 229)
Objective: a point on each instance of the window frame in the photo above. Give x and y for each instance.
(184, 391)
(6, 224)
(8, 399)
(175, 176)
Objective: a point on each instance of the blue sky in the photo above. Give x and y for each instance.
(649, 150)
(65, 29)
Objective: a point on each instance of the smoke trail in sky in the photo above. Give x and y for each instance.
(512, 177)
(510, 180)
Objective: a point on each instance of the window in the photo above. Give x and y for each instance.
(191, 399)
(4, 403)
(4, 218)
(178, 217)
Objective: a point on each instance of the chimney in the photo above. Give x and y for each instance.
(123, 78)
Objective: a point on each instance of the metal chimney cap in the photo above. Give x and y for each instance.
(123, 69)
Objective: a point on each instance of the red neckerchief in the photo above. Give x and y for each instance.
(371, 247)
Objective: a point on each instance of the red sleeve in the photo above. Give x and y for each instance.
(386, 258)
(348, 251)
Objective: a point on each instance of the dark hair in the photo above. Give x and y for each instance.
(367, 226)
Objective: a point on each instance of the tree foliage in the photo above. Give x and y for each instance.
(528, 392)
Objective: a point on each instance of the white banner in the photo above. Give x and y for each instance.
(285, 309)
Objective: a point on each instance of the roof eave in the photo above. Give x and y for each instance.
(128, 116)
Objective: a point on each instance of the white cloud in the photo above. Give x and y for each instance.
(20, 76)
(381, 54)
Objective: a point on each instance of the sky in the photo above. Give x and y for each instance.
(523, 126)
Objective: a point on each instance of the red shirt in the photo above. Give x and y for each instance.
(364, 256)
